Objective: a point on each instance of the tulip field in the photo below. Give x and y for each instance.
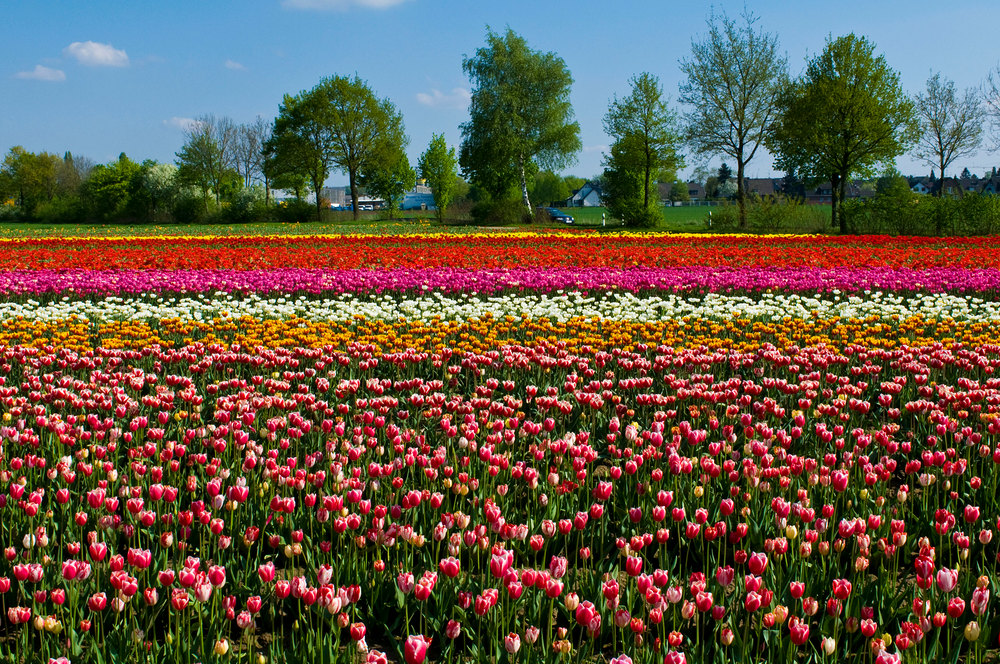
(499, 447)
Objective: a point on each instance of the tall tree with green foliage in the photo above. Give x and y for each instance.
(112, 189)
(734, 79)
(548, 188)
(438, 166)
(339, 124)
(645, 143)
(520, 116)
(208, 158)
(389, 178)
(950, 126)
(30, 178)
(846, 115)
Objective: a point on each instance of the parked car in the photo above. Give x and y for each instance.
(558, 216)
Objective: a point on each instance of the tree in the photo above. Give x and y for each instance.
(724, 173)
(679, 192)
(645, 135)
(950, 127)
(548, 188)
(339, 124)
(248, 153)
(438, 166)
(389, 178)
(207, 160)
(112, 188)
(159, 181)
(573, 183)
(991, 103)
(284, 157)
(846, 115)
(520, 117)
(734, 80)
(30, 178)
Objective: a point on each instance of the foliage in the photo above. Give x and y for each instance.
(29, 178)
(389, 178)
(734, 81)
(679, 192)
(438, 166)
(548, 188)
(339, 124)
(207, 159)
(112, 190)
(843, 117)
(499, 213)
(950, 127)
(644, 147)
(622, 192)
(520, 117)
(771, 214)
(895, 210)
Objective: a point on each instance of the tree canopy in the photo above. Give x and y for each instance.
(438, 166)
(951, 126)
(339, 124)
(846, 115)
(735, 77)
(644, 151)
(520, 116)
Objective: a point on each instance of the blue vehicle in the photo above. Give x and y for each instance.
(558, 216)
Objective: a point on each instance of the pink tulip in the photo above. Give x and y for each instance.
(415, 649)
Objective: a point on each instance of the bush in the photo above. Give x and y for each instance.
(499, 213)
(906, 213)
(245, 206)
(770, 214)
(188, 208)
(62, 210)
(295, 211)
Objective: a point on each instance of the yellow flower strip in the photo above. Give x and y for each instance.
(489, 333)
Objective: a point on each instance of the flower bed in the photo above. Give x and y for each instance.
(302, 463)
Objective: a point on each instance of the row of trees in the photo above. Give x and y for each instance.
(845, 116)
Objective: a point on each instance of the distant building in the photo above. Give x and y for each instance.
(589, 195)
(419, 198)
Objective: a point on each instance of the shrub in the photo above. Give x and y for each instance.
(499, 213)
(295, 211)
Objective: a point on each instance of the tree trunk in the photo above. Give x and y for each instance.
(645, 183)
(352, 175)
(267, 192)
(741, 193)
(524, 188)
(316, 187)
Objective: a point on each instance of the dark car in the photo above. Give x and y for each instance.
(558, 216)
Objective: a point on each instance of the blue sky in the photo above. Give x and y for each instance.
(99, 78)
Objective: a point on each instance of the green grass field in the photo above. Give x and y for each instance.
(687, 219)
(677, 219)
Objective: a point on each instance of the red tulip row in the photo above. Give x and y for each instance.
(522, 503)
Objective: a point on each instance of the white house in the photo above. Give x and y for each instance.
(589, 195)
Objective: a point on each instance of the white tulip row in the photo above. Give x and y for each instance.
(559, 306)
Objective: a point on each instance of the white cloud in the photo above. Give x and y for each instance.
(232, 64)
(183, 124)
(458, 98)
(595, 148)
(42, 73)
(94, 54)
(340, 5)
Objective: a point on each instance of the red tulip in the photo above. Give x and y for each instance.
(798, 631)
(97, 602)
(415, 649)
(450, 567)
